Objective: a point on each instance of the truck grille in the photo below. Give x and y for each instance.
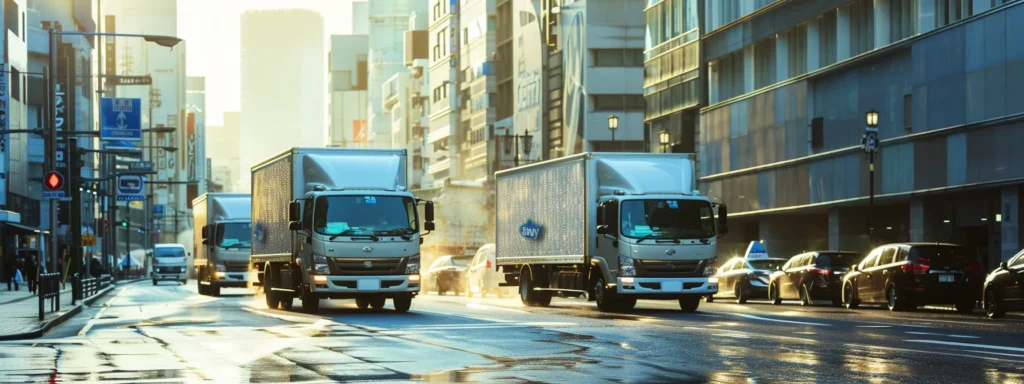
(355, 267)
(669, 268)
(168, 270)
(236, 266)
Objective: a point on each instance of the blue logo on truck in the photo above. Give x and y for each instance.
(259, 233)
(530, 230)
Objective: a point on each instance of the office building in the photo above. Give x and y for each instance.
(389, 19)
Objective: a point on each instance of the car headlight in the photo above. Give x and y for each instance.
(413, 266)
(709, 271)
(219, 267)
(626, 266)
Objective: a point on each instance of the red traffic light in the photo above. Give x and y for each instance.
(53, 181)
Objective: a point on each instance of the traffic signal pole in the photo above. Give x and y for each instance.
(75, 221)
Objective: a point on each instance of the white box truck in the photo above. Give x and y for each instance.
(336, 223)
(610, 227)
(221, 240)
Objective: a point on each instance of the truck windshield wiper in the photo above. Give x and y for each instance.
(371, 236)
(647, 236)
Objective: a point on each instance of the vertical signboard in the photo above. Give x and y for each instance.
(359, 131)
(190, 145)
(4, 125)
(528, 54)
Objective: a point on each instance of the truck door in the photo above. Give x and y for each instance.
(607, 236)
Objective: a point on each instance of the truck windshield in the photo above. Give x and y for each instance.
(169, 252)
(667, 219)
(234, 235)
(365, 215)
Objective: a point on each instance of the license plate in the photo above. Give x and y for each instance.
(672, 286)
(946, 278)
(368, 285)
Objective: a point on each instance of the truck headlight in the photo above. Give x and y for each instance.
(321, 269)
(413, 266)
(709, 271)
(626, 266)
(319, 259)
(219, 267)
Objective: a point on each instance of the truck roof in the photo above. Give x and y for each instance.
(636, 173)
(230, 207)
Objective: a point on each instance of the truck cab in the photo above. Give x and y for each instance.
(170, 262)
(223, 241)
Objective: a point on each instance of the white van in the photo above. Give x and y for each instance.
(170, 262)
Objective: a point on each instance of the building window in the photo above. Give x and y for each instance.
(827, 48)
(817, 134)
(11, 13)
(764, 63)
(950, 11)
(903, 20)
(617, 57)
(908, 113)
(437, 10)
(797, 44)
(862, 27)
(628, 102)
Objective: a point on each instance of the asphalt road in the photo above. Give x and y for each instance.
(168, 333)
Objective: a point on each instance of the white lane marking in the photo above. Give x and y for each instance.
(994, 324)
(873, 326)
(998, 354)
(940, 334)
(931, 352)
(92, 321)
(779, 320)
(891, 325)
(526, 324)
(485, 306)
(956, 344)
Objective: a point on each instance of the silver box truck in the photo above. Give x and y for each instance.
(336, 223)
(221, 240)
(610, 227)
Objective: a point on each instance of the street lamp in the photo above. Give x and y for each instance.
(663, 138)
(869, 142)
(872, 118)
(613, 124)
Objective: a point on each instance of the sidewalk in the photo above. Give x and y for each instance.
(19, 312)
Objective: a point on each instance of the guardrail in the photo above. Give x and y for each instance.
(49, 288)
(91, 286)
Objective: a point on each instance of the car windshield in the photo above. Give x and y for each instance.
(667, 219)
(837, 260)
(169, 252)
(767, 264)
(461, 261)
(938, 255)
(365, 215)
(234, 235)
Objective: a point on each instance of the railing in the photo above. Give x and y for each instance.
(49, 288)
(91, 286)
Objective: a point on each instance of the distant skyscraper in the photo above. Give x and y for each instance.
(282, 83)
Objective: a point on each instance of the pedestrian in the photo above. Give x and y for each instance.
(31, 268)
(10, 271)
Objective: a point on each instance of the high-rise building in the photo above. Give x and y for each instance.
(441, 105)
(405, 96)
(674, 88)
(226, 156)
(389, 19)
(194, 152)
(282, 82)
(348, 82)
(791, 87)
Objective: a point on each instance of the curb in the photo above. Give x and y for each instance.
(39, 332)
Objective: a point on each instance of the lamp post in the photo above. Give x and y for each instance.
(613, 124)
(663, 138)
(869, 142)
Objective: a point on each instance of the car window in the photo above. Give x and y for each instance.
(766, 264)
(440, 262)
(871, 259)
(727, 266)
(901, 254)
(888, 256)
(805, 260)
(835, 260)
(1016, 261)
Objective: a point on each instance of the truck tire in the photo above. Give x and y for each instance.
(200, 277)
(606, 300)
(286, 302)
(214, 290)
(689, 304)
(377, 303)
(362, 303)
(402, 303)
(626, 304)
(527, 294)
(310, 302)
(269, 282)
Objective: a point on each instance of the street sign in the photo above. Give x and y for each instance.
(140, 166)
(53, 182)
(130, 80)
(121, 119)
(129, 188)
(158, 209)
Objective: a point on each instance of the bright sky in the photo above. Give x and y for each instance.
(211, 28)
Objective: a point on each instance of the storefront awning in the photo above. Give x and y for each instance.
(20, 229)
(10, 217)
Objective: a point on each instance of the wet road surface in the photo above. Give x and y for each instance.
(168, 333)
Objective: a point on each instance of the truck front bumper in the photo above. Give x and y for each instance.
(232, 279)
(667, 287)
(333, 286)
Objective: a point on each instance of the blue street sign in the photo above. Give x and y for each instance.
(158, 209)
(129, 188)
(118, 144)
(121, 119)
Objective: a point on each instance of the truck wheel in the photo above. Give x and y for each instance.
(310, 302)
(269, 282)
(626, 304)
(286, 302)
(402, 303)
(154, 282)
(689, 304)
(605, 299)
(377, 303)
(528, 295)
(362, 303)
(214, 290)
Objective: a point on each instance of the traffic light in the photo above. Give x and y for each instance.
(78, 160)
(124, 223)
(54, 181)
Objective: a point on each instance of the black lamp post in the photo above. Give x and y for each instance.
(613, 124)
(869, 142)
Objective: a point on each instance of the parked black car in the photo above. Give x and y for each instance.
(905, 276)
(811, 276)
(1004, 288)
(448, 274)
(744, 278)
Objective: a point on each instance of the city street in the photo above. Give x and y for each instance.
(169, 333)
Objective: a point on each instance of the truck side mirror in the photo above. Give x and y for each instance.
(294, 211)
(428, 212)
(428, 225)
(294, 225)
(723, 220)
(206, 232)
